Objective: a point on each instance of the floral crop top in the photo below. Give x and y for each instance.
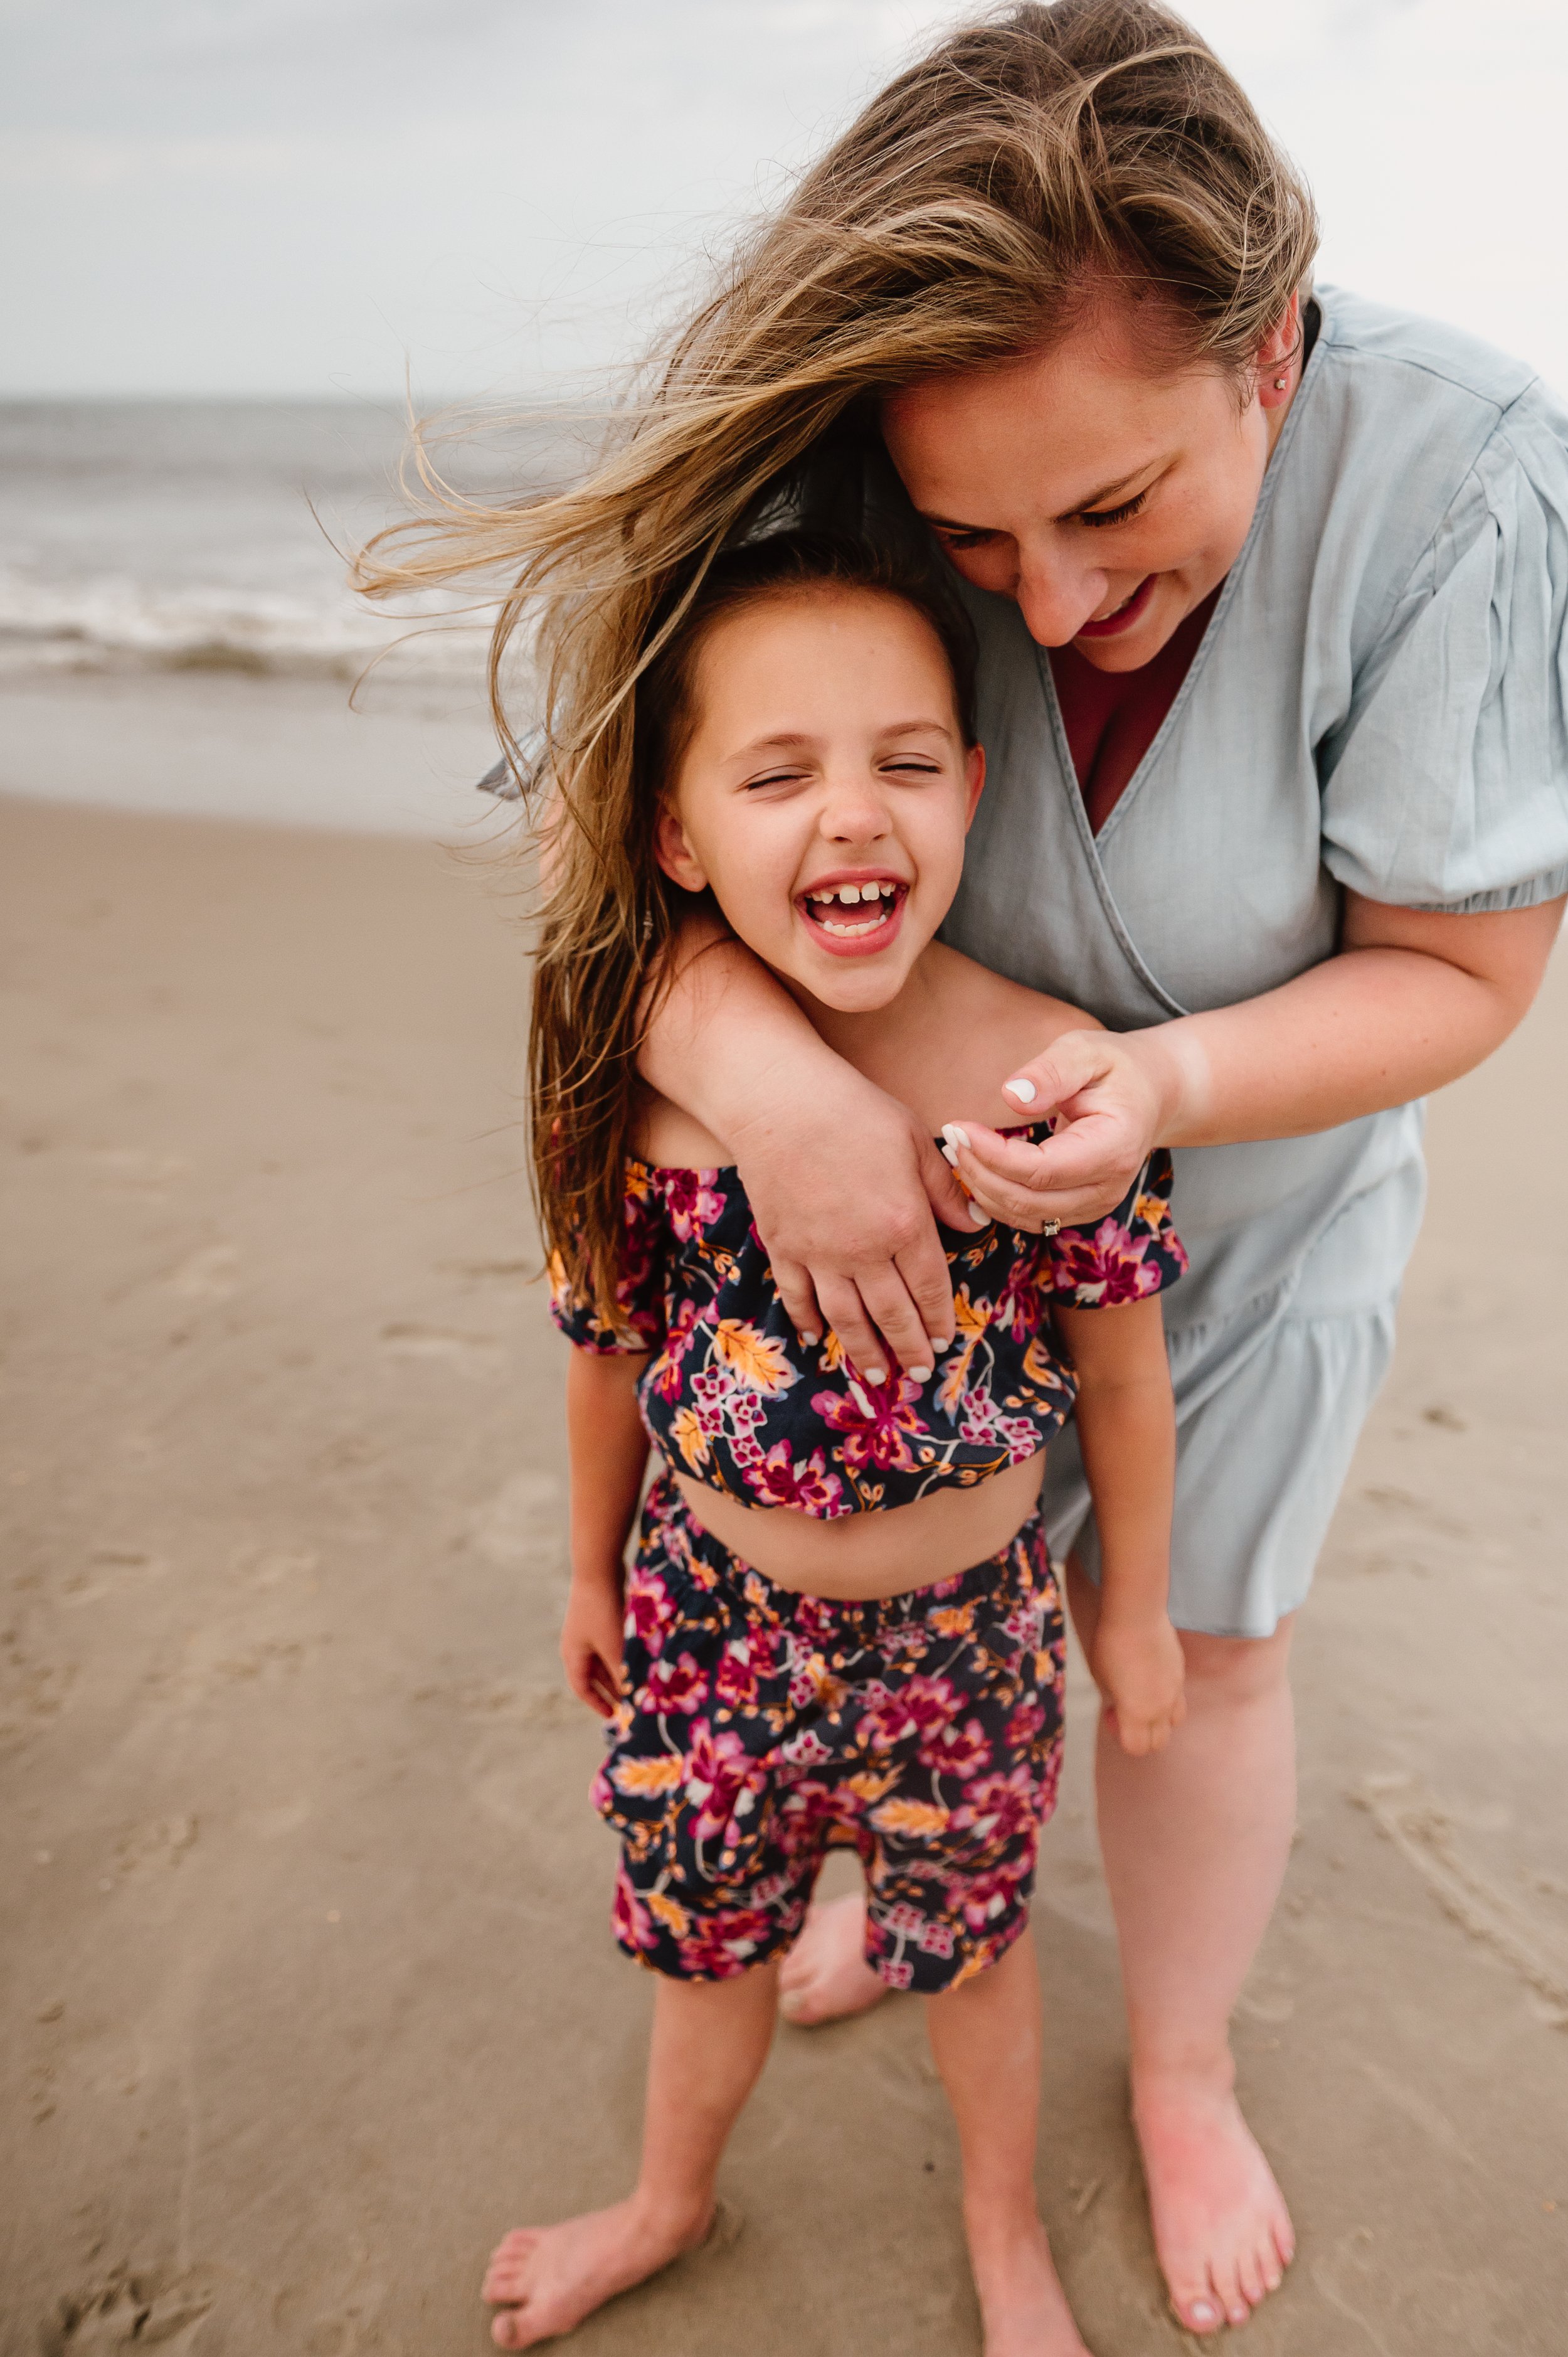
(732, 1397)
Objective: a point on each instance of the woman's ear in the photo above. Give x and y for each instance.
(1279, 358)
(974, 782)
(675, 855)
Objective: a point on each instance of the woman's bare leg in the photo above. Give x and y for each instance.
(1195, 1841)
(825, 1976)
(985, 2036)
(709, 2042)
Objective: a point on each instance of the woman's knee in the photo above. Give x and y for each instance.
(1222, 1672)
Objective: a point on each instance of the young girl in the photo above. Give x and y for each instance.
(841, 1625)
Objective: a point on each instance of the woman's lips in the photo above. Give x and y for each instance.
(1110, 625)
(843, 928)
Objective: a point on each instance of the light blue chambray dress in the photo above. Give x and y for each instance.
(1380, 701)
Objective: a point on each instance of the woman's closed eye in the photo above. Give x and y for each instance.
(1123, 514)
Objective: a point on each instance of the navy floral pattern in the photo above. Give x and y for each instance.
(732, 1397)
(758, 1728)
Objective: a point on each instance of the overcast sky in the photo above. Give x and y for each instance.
(303, 196)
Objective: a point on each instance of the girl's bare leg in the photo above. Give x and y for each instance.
(985, 2037)
(1195, 1840)
(709, 2042)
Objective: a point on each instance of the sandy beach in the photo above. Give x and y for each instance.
(309, 1992)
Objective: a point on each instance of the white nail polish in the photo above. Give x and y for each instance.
(978, 1218)
(948, 1156)
(811, 1340)
(876, 1374)
(955, 1136)
(1024, 1091)
(918, 1374)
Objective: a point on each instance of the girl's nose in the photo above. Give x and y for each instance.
(854, 812)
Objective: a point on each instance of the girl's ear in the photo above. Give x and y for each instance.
(974, 781)
(675, 855)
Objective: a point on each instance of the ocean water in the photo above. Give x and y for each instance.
(210, 535)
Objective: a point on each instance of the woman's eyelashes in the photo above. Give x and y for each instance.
(1123, 514)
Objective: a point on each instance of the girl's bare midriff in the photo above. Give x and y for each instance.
(861, 1556)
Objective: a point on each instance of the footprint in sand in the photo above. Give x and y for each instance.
(470, 1355)
(210, 1274)
(523, 1522)
(127, 2311)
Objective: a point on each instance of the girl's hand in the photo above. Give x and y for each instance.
(1141, 1670)
(843, 1183)
(1113, 1103)
(592, 1640)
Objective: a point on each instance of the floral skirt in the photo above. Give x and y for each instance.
(760, 1727)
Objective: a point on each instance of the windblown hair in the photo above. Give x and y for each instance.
(975, 211)
(610, 922)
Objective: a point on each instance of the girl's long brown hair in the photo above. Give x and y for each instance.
(975, 207)
(594, 995)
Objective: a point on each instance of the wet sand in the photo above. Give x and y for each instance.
(309, 1988)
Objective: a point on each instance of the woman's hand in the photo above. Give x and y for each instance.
(1111, 1099)
(1141, 1670)
(592, 1638)
(843, 1184)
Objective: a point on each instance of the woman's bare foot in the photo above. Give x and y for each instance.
(545, 2280)
(1221, 2228)
(1022, 2302)
(825, 1976)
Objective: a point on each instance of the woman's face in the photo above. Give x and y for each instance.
(1107, 500)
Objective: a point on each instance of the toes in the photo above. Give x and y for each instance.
(1228, 2290)
(509, 2330)
(1250, 2276)
(1200, 2309)
(519, 2245)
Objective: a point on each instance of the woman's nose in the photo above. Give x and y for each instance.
(1057, 598)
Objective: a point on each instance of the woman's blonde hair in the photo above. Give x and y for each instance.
(970, 212)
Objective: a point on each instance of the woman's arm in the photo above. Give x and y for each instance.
(842, 1180)
(843, 1183)
(1126, 1431)
(608, 1451)
(1412, 1000)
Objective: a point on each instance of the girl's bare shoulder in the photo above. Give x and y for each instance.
(1028, 1020)
(981, 1027)
(665, 1136)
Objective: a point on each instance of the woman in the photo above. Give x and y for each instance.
(1270, 589)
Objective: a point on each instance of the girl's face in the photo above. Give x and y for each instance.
(826, 793)
(1106, 501)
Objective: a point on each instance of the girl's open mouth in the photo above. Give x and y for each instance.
(850, 917)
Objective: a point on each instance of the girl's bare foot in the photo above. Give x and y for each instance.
(825, 1976)
(1221, 2228)
(545, 2280)
(1021, 2299)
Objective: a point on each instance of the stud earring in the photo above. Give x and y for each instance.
(1280, 384)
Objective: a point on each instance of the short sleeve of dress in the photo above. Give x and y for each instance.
(1132, 1251)
(639, 1289)
(1446, 788)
